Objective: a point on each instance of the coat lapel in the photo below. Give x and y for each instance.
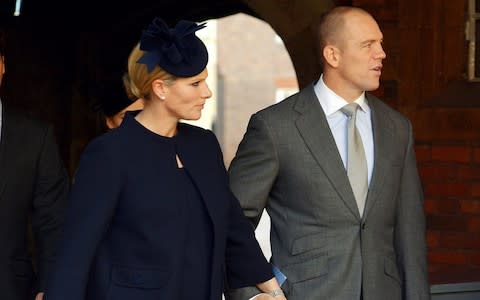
(198, 162)
(383, 146)
(315, 131)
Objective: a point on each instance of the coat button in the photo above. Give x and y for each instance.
(363, 226)
(138, 279)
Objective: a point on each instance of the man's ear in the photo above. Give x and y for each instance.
(160, 88)
(331, 55)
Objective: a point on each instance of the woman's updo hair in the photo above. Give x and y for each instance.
(139, 79)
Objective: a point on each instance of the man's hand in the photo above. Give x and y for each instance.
(39, 296)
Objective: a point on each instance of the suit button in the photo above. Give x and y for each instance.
(363, 226)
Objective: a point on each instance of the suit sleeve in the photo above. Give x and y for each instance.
(49, 199)
(254, 169)
(410, 229)
(92, 202)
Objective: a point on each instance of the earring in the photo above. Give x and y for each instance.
(162, 97)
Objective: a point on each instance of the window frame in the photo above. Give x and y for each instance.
(470, 34)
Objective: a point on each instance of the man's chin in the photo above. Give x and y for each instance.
(372, 87)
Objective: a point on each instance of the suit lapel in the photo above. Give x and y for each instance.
(315, 131)
(383, 147)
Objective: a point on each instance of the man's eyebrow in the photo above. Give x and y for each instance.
(370, 41)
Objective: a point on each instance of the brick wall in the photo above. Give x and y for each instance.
(451, 180)
(424, 78)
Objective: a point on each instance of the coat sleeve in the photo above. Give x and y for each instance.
(410, 229)
(49, 200)
(254, 169)
(245, 263)
(252, 174)
(92, 202)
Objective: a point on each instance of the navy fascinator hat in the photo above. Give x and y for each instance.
(176, 50)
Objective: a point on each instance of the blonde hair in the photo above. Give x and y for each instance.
(139, 80)
(127, 85)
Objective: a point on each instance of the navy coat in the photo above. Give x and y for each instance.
(125, 229)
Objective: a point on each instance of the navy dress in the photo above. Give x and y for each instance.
(138, 227)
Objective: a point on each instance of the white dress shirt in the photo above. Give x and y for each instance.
(331, 104)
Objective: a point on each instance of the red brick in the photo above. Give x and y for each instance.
(448, 172)
(448, 189)
(427, 173)
(430, 206)
(475, 258)
(468, 173)
(423, 153)
(437, 173)
(448, 206)
(470, 206)
(448, 257)
(458, 240)
(474, 224)
(432, 239)
(453, 274)
(476, 155)
(450, 223)
(476, 190)
(452, 153)
(442, 206)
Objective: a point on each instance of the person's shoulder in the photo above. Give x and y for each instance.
(192, 130)
(110, 138)
(284, 104)
(389, 116)
(380, 107)
(198, 135)
(23, 120)
(287, 107)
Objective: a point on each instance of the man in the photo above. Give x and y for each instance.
(33, 189)
(346, 210)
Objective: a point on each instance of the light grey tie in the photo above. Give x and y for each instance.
(356, 162)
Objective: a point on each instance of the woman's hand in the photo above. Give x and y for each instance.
(271, 290)
(265, 296)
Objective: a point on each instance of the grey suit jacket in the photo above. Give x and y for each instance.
(289, 164)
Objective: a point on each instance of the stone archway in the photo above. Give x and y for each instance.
(292, 21)
(55, 56)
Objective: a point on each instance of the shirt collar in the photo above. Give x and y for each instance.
(331, 102)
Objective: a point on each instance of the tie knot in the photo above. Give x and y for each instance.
(350, 109)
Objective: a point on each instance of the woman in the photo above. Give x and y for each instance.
(113, 102)
(151, 214)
